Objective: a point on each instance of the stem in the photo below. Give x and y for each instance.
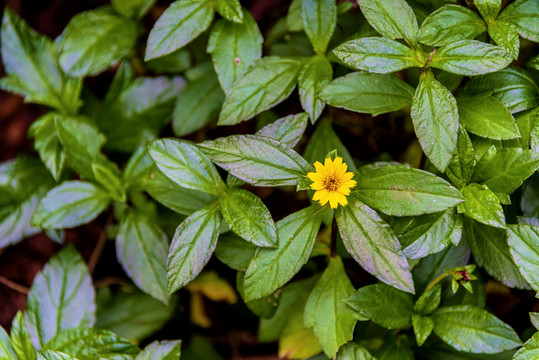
(333, 245)
(98, 250)
(436, 281)
(14, 286)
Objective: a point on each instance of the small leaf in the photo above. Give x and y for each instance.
(489, 9)
(423, 326)
(133, 8)
(401, 190)
(377, 55)
(110, 181)
(462, 164)
(186, 165)
(234, 251)
(435, 117)
(505, 34)
(473, 330)
(20, 339)
(53, 355)
(192, 246)
(332, 320)
(449, 24)
(230, 10)
(181, 23)
(354, 351)
(258, 160)
(530, 350)
(383, 304)
(373, 245)
(6, 349)
(482, 205)
(287, 130)
(319, 20)
(164, 350)
(272, 268)
(525, 15)
(70, 204)
(522, 241)
(313, 77)
(47, 144)
(429, 301)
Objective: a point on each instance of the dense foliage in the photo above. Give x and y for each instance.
(462, 75)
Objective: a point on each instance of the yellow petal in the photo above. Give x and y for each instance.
(343, 190)
(320, 168)
(349, 184)
(341, 199)
(315, 176)
(333, 202)
(328, 164)
(317, 185)
(347, 176)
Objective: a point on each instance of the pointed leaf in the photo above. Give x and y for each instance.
(525, 15)
(133, 8)
(354, 351)
(164, 350)
(230, 10)
(505, 34)
(523, 243)
(319, 20)
(287, 130)
(47, 144)
(313, 77)
(530, 350)
(393, 19)
(423, 326)
(481, 204)
(53, 355)
(462, 164)
(20, 339)
(6, 349)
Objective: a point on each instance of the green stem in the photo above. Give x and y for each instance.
(436, 281)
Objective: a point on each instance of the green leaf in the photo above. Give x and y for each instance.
(234, 251)
(401, 190)
(486, 116)
(383, 304)
(429, 301)
(377, 55)
(393, 19)
(186, 165)
(373, 245)
(234, 47)
(287, 130)
(268, 82)
(142, 248)
(525, 15)
(319, 20)
(395, 347)
(490, 250)
(110, 181)
(231, 10)
(354, 351)
(482, 205)
(6, 349)
(53, 355)
(368, 93)
(470, 57)
(248, 217)
(70, 204)
(505, 34)
(89, 344)
(164, 350)
(294, 21)
(530, 350)
(48, 145)
(435, 117)
(514, 87)
(192, 246)
(522, 241)
(489, 9)
(423, 326)
(94, 40)
(473, 330)
(61, 297)
(198, 104)
(449, 24)
(258, 160)
(181, 23)
(462, 164)
(272, 268)
(332, 320)
(504, 170)
(133, 8)
(313, 77)
(20, 339)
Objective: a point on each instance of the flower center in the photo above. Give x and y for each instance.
(331, 184)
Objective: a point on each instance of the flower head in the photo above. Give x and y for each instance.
(331, 182)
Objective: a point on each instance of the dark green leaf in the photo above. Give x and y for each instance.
(272, 268)
(61, 297)
(489, 9)
(373, 245)
(395, 347)
(70, 204)
(287, 130)
(522, 241)
(423, 326)
(181, 23)
(53, 355)
(47, 144)
(449, 24)
(313, 77)
(142, 248)
(530, 350)
(482, 205)
(525, 15)
(164, 350)
(234, 251)
(133, 8)
(192, 246)
(473, 330)
(319, 20)
(267, 82)
(231, 10)
(234, 47)
(354, 351)
(20, 339)
(93, 40)
(368, 93)
(377, 55)
(505, 34)
(383, 304)
(401, 190)
(462, 164)
(173, 63)
(429, 301)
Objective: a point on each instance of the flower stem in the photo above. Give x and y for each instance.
(436, 281)
(333, 245)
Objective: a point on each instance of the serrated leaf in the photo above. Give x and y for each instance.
(486, 116)
(371, 242)
(133, 8)
(93, 40)
(164, 350)
(268, 81)
(272, 268)
(462, 164)
(287, 130)
(186, 165)
(70, 204)
(450, 23)
(368, 93)
(423, 326)
(258, 160)
(490, 250)
(53, 355)
(383, 304)
(325, 311)
(393, 19)
(248, 217)
(180, 24)
(313, 77)
(192, 246)
(20, 339)
(6, 349)
(482, 205)
(319, 20)
(354, 351)
(142, 248)
(377, 55)
(474, 330)
(530, 350)
(525, 15)
(234, 47)
(61, 297)
(505, 35)
(230, 10)
(435, 117)
(47, 144)
(523, 243)
(234, 251)
(401, 190)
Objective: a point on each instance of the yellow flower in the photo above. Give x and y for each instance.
(331, 182)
